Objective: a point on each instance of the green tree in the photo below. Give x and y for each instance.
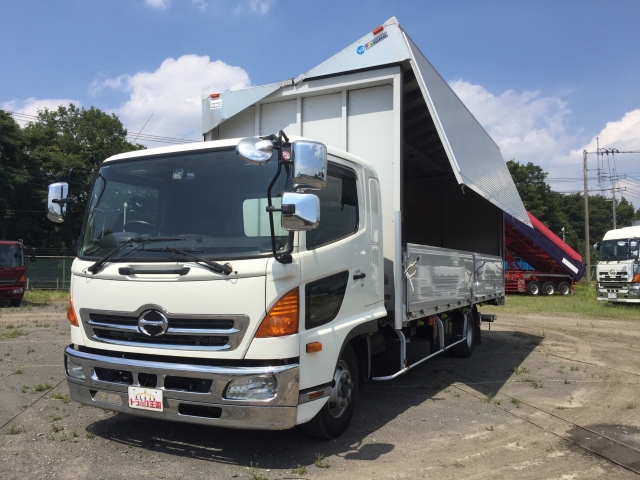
(56, 141)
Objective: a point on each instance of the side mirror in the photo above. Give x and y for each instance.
(255, 150)
(57, 201)
(596, 246)
(300, 211)
(309, 165)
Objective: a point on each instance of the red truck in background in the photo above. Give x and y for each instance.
(537, 261)
(12, 270)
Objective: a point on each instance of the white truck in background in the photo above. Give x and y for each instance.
(618, 269)
(258, 280)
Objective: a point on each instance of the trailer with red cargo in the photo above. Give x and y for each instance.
(537, 261)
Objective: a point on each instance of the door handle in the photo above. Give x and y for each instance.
(359, 276)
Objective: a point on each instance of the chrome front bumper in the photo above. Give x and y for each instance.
(278, 413)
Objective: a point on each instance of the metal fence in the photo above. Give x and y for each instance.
(49, 273)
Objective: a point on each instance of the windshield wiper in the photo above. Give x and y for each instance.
(225, 269)
(95, 268)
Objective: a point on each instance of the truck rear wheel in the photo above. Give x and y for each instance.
(334, 417)
(548, 288)
(465, 348)
(533, 288)
(564, 288)
(15, 302)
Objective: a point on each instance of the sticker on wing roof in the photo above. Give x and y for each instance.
(363, 48)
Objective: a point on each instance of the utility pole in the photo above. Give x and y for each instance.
(587, 245)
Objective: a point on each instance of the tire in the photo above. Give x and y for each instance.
(548, 288)
(15, 302)
(335, 416)
(465, 349)
(533, 288)
(564, 288)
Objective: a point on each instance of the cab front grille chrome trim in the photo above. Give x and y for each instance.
(184, 331)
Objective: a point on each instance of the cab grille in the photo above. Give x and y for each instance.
(183, 332)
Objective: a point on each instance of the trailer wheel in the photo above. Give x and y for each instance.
(334, 417)
(15, 302)
(533, 288)
(548, 288)
(564, 288)
(465, 349)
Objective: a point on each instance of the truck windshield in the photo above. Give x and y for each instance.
(621, 249)
(11, 256)
(211, 204)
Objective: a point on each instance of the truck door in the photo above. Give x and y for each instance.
(333, 259)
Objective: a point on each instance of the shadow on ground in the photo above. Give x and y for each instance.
(492, 364)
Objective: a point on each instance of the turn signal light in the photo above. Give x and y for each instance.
(636, 278)
(21, 279)
(314, 347)
(378, 30)
(282, 319)
(71, 314)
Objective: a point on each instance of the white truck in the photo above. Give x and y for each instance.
(259, 280)
(618, 270)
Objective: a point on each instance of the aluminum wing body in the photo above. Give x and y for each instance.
(474, 157)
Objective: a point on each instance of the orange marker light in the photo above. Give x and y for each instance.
(215, 95)
(315, 395)
(71, 314)
(21, 279)
(282, 319)
(378, 30)
(314, 347)
(636, 278)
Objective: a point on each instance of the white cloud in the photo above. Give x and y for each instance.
(31, 106)
(159, 4)
(525, 125)
(623, 134)
(172, 93)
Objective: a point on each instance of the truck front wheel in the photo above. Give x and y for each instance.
(334, 417)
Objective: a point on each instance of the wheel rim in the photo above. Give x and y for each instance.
(341, 392)
(564, 290)
(550, 290)
(534, 289)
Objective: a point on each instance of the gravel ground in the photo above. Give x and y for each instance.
(543, 397)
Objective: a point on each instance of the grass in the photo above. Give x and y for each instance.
(516, 402)
(582, 303)
(36, 297)
(533, 382)
(64, 398)
(42, 387)
(13, 333)
(13, 430)
(575, 369)
(520, 370)
(320, 461)
(255, 473)
(299, 470)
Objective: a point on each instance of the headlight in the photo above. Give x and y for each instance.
(254, 387)
(74, 369)
(18, 290)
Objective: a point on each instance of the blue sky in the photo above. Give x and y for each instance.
(544, 78)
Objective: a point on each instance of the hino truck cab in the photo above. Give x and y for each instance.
(619, 266)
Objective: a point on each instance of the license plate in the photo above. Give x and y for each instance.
(613, 295)
(146, 399)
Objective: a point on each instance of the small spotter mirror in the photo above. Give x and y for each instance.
(309, 165)
(56, 201)
(300, 211)
(596, 246)
(255, 150)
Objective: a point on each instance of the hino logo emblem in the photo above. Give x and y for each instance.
(612, 273)
(153, 323)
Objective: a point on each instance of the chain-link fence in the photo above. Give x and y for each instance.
(50, 271)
